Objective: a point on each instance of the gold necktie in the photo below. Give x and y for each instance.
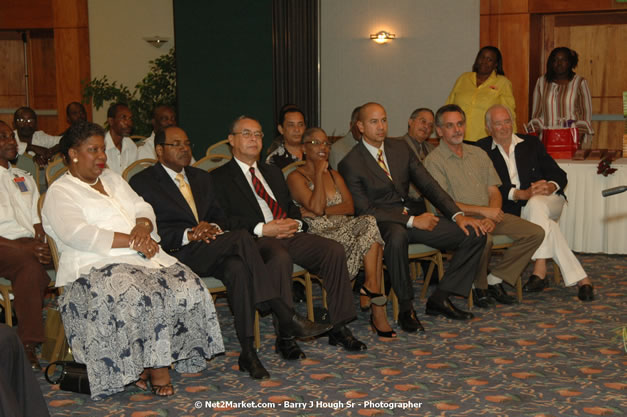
(382, 163)
(187, 193)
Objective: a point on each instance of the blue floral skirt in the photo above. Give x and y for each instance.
(123, 318)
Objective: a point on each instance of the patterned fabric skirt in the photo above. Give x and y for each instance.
(123, 318)
(356, 234)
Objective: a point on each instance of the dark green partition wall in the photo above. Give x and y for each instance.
(224, 66)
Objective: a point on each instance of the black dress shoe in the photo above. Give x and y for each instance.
(248, 361)
(586, 292)
(448, 309)
(535, 284)
(409, 322)
(302, 327)
(298, 292)
(288, 349)
(481, 298)
(31, 355)
(500, 295)
(344, 337)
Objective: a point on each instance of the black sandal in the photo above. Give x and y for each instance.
(375, 298)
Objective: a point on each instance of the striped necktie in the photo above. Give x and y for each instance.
(187, 193)
(277, 211)
(381, 163)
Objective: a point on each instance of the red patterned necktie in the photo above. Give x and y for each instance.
(277, 211)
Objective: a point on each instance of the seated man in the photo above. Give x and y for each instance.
(162, 116)
(75, 112)
(22, 245)
(533, 188)
(121, 150)
(342, 146)
(190, 222)
(378, 172)
(256, 198)
(465, 172)
(36, 142)
(291, 127)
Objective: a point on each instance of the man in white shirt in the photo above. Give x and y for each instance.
(36, 142)
(121, 150)
(533, 188)
(191, 221)
(255, 197)
(163, 116)
(22, 244)
(378, 172)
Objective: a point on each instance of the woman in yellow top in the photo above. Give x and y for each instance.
(475, 92)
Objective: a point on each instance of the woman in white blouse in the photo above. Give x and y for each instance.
(129, 310)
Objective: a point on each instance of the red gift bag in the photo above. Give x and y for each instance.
(561, 143)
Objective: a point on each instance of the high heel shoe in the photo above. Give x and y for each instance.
(375, 298)
(389, 335)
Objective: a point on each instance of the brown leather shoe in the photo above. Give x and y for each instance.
(31, 355)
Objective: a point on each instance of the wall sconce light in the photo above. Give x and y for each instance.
(157, 41)
(382, 37)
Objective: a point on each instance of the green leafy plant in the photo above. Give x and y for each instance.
(157, 87)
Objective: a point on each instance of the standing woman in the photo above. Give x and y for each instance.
(327, 207)
(129, 310)
(475, 92)
(561, 95)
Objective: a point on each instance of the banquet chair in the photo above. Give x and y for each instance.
(55, 168)
(211, 162)
(288, 169)
(217, 288)
(219, 148)
(137, 167)
(420, 252)
(26, 162)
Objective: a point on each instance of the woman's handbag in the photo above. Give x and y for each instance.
(561, 143)
(73, 376)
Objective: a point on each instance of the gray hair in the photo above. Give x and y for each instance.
(488, 113)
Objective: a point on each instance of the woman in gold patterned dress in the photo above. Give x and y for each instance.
(327, 207)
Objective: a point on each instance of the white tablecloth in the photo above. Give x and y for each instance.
(593, 223)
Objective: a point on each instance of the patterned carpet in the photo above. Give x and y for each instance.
(550, 356)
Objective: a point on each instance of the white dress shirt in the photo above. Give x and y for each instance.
(82, 221)
(265, 209)
(117, 160)
(40, 138)
(147, 149)
(18, 207)
(512, 167)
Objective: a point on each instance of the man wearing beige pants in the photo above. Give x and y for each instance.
(467, 174)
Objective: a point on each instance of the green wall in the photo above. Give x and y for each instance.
(224, 67)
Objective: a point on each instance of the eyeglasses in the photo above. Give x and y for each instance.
(21, 120)
(317, 143)
(247, 134)
(180, 145)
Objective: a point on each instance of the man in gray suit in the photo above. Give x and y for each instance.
(378, 173)
(419, 129)
(342, 146)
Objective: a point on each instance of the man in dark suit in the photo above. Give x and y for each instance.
(191, 224)
(533, 188)
(256, 199)
(378, 173)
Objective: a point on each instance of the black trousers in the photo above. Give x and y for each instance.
(234, 259)
(323, 257)
(461, 271)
